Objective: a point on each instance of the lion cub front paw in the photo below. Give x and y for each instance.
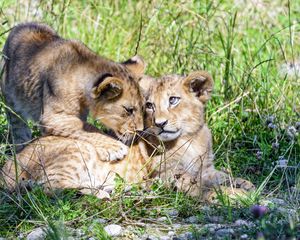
(114, 151)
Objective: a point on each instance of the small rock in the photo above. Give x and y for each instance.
(244, 236)
(192, 220)
(275, 145)
(287, 211)
(21, 236)
(171, 233)
(113, 230)
(162, 219)
(189, 236)
(100, 220)
(79, 232)
(215, 219)
(37, 234)
(164, 238)
(205, 209)
(176, 226)
(278, 201)
(212, 227)
(270, 119)
(241, 222)
(272, 126)
(173, 213)
(224, 232)
(180, 237)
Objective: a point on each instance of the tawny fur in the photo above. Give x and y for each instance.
(184, 140)
(64, 163)
(59, 162)
(58, 82)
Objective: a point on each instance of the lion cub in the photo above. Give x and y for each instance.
(63, 163)
(175, 116)
(58, 82)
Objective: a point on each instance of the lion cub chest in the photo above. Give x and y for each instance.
(189, 153)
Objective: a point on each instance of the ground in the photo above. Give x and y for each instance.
(251, 48)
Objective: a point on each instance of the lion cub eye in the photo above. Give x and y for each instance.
(149, 106)
(129, 110)
(174, 101)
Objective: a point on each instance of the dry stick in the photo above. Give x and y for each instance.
(140, 35)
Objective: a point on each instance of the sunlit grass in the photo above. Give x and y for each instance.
(243, 44)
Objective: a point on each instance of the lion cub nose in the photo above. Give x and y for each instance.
(161, 123)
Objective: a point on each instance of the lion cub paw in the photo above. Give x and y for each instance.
(101, 194)
(114, 151)
(244, 184)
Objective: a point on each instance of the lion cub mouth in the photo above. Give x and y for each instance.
(166, 135)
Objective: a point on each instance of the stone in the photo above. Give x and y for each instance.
(100, 220)
(162, 219)
(241, 222)
(192, 220)
(173, 213)
(113, 230)
(37, 234)
(215, 219)
(278, 201)
(164, 238)
(244, 237)
(212, 227)
(79, 232)
(205, 209)
(180, 237)
(176, 226)
(171, 233)
(190, 236)
(224, 232)
(287, 211)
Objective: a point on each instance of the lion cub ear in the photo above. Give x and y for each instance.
(136, 66)
(199, 83)
(109, 88)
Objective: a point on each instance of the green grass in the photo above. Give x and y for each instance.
(242, 45)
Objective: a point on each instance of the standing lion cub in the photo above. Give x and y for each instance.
(58, 82)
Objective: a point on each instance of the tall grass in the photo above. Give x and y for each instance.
(249, 47)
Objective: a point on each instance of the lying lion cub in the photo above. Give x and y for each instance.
(58, 81)
(175, 105)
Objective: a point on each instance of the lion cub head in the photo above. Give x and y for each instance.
(175, 104)
(116, 99)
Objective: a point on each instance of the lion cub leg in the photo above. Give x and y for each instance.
(107, 148)
(213, 177)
